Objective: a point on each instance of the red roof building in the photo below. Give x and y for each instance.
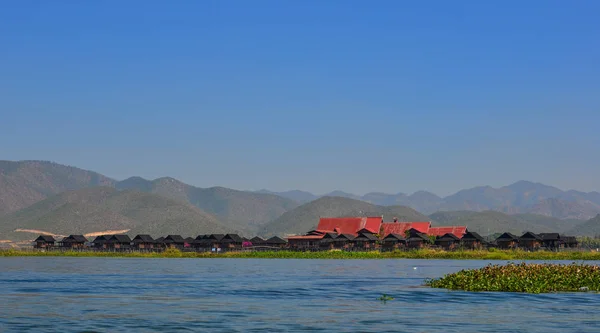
(401, 228)
(349, 225)
(457, 231)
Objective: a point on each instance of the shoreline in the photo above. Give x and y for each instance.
(415, 254)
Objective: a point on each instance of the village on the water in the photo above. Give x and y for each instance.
(342, 233)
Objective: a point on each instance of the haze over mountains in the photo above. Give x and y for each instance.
(521, 197)
(39, 196)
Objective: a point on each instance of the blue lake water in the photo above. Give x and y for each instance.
(246, 295)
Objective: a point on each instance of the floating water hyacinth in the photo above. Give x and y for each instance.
(384, 298)
(527, 278)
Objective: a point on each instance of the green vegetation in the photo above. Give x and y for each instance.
(384, 298)
(528, 278)
(590, 227)
(334, 254)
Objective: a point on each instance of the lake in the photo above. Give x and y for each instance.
(252, 295)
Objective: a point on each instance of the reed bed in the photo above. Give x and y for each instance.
(334, 254)
(523, 278)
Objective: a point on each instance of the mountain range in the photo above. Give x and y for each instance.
(522, 197)
(40, 196)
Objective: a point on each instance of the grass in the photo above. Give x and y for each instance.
(525, 278)
(414, 254)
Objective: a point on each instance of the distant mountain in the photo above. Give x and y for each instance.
(563, 209)
(306, 217)
(490, 222)
(590, 228)
(296, 195)
(27, 182)
(247, 210)
(104, 209)
(522, 197)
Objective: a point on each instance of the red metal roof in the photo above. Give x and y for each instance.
(457, 231)
(349, 225)
(401, 227)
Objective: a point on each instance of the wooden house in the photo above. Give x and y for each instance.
(211, 242)
(73, 242)
(343, 241)
(232, 242)
(507, 241)
(118, 242)
(326, 242)
(159, 243)
(305, 242)
(448, 241)
(417, 240)
(393, 242)
(189, 242)
(570, 241)
(44, 242)
(143, 242)
(366, 240)
(257, 241)
(100, 242)
(551, 241)
(174, 242)
(472, 241)
(530, 241)
(276, 242)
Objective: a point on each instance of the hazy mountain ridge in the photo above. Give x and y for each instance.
(522, 197)
(103, 208)
(306, 217)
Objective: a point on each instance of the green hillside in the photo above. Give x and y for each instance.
(306, 217)
(590, 228)
(100, 209)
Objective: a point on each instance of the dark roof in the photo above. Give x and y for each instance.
(473, 236)
(417, 236)
(190, 240)
(143, 239)
(257, 240)
(160, 240)
(45, 238)
(101, 239)
(394, 238)
(448, 237)
(119, 239)
(275, 240)
(201, 237)
(344, 238)
(232, 238)
(530, 236)
(177, 239)
(550, 236)
(74, 239)
(215, 236)
(507, 236)
(365, 231)
(365, 237)
(331, 235)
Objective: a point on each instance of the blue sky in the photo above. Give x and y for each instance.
(392, 96)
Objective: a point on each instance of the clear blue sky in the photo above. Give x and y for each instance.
(392, 96)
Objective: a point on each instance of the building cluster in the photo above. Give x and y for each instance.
(373, 233)
(346, 233)
(212, 242)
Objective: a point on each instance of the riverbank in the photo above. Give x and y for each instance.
(415, 254)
